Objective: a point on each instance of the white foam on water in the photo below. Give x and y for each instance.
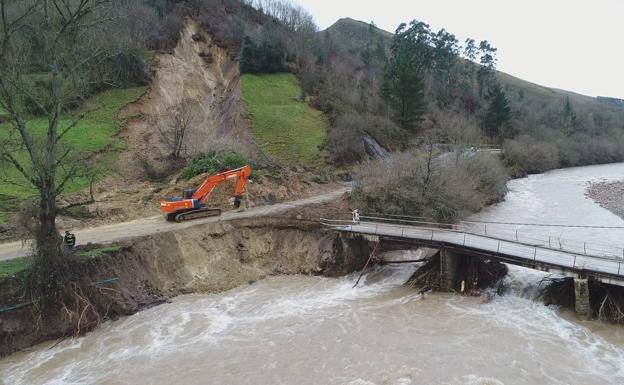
(542, 326)
(472, 379)
(194, 320)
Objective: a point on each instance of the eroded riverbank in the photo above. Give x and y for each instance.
(152, 269)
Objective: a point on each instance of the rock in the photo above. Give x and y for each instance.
(609, 195)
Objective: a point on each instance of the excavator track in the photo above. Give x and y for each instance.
(195, 214)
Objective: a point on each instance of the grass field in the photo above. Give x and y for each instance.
(93, 134)
(14, 266)
(284, 126)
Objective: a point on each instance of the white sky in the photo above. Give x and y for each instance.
(577, 45)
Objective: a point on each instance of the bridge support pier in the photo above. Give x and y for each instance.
(581, 298)
(449, 269)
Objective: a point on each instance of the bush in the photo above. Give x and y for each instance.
(490, 176)
(412, 184)
(212, 163)
(387, 133)
(345, 140)
(527, 155)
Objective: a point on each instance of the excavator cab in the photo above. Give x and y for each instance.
(192, 205)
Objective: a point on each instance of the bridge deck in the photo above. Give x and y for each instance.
(606, 269)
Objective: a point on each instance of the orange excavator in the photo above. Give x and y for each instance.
(193, 204)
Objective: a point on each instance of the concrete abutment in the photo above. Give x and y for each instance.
(449, 269)
(582, 303)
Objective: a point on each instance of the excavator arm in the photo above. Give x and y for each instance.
(194, 206)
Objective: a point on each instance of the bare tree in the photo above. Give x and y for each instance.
(175, 127)
(60, 39)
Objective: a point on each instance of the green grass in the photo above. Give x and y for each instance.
(14, 266)
(284, 126)
(95, 253)
(93, 134)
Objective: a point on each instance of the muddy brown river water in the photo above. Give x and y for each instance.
(313, 330)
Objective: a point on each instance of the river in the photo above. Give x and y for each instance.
(314, 330)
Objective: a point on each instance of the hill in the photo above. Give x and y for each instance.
(573, 129)
(351, 35)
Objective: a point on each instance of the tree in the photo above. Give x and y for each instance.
(61, 39)
(568, 117)
(487, 71)
(174, 128)
(498, 112)
(267, 56)
(445, 75)
(403, 86)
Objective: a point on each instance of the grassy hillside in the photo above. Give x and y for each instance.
(95, 133)
(284, 126)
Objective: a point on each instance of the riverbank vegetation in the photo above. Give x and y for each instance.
(436, 188)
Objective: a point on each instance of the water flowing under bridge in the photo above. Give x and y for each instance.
(572, 258)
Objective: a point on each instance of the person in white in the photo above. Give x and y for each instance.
(356, 216)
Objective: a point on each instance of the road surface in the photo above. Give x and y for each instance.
(157, 224)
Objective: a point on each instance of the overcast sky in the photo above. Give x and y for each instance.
(577, 45)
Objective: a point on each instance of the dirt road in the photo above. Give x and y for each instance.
(156, 224)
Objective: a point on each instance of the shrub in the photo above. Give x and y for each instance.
(527, 155)
(345, 140)
(413, 184)
(213, 162)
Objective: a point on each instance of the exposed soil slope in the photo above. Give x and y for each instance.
(207, 79)
(206, 258)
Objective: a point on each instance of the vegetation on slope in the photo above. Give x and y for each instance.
(94, 134)
(284, 126)
(14, 266)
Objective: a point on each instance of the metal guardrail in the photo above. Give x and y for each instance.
(481, 228)
(405, 227)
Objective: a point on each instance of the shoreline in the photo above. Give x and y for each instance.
(608, 194)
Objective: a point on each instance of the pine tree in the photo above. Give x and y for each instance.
(246, 55)
(404, 88)
(498, 112)
(403, 85)
(568, 117)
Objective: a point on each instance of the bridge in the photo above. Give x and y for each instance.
(570, 258)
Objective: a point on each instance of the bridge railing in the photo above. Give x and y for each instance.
(546, 241)
(482, 229)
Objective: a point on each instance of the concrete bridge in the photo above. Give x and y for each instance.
(575, 259)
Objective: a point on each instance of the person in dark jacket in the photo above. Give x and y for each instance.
(69, 239)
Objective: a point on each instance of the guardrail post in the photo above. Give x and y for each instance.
(516, 235)
(498, 247)
(375, 228)
(550, 247)
(584, 249)
(402, 230)
(432, 234)
(574, 263)
(534, 254)
(485, 228)
(464, 244)
(619, 265)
